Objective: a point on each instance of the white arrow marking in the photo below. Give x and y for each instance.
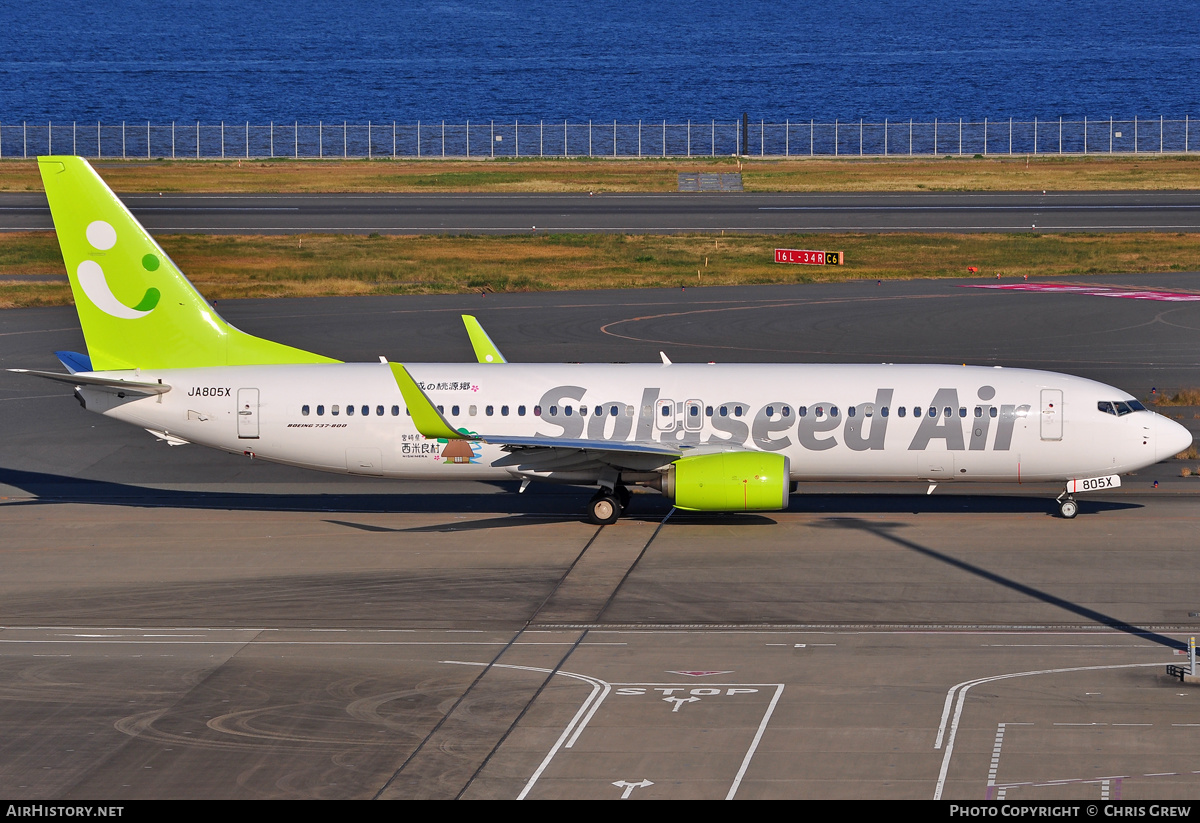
(629, 787)
(679, 701)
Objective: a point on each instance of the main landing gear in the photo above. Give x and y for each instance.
(606, 507)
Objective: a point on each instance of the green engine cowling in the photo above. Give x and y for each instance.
(729, 481)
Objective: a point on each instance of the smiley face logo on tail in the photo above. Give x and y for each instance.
(102, 236)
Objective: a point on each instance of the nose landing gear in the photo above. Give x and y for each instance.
(1067, 507)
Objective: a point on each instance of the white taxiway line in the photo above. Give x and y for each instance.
(961, 691)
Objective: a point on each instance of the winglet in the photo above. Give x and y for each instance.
(485, 349)
(425, 415)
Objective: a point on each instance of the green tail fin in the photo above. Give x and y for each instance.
(136, 308)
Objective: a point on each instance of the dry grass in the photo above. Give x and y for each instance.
(623, 175)
(1188, 454)
(1183, 397)
(224, 266)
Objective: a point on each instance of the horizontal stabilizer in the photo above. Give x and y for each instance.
(110, 383)
(74, 361)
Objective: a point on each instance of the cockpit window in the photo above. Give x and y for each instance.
(1120, 407)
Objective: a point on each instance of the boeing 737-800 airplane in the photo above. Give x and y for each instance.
(709, 437)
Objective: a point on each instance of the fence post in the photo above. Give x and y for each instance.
(99, 154)
(835, 137)
(935, 125)
(541, 138)
(1187, 122)
(713, 123)
(147, 139)
(370, 156)
(1034, 136)
(860, 137)
(664, 150)
(640, 138)
(1135, 134)
(614, 138)
(345, 141)
(443, 139)
(1010, 136)
(1110, 133)
(985, 122)
(394, 139)
(589, 138)
(320, 139)
(172, 140)
(468, 138)
(272, 140)
(24, 139)
(493, 139)
(762, 138)
(296, 145)
(910, 137)
(812, 136)
(1160, 134)
(1060, 134)
(787, 138)
(49, 137)
(75, 136)
(122, 139)
(564, 138)
(197, 138)
(885, 137)
(517, 137)
(689, 137)
(247, 139)
(222, 137)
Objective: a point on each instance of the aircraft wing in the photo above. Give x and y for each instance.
(111, 384)
(485, 349)
(538, 453)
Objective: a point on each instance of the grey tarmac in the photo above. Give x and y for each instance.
(175, 622)
(402, 213)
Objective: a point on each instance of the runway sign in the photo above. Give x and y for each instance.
(809, 257)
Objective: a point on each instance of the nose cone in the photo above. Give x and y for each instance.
(1170, 438)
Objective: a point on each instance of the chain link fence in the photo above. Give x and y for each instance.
(492, 138)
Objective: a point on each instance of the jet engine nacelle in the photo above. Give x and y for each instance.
(729, 481)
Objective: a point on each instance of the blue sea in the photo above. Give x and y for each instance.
(352, 60)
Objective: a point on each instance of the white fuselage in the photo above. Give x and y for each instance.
(834, 422)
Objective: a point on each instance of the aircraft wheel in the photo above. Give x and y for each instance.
(604, 509)
(1068, 508)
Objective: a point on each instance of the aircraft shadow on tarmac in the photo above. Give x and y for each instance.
(547, 504)
(888, 532)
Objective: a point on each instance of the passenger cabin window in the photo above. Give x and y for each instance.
(320, 411)
(472, 410)
(304, 410)
(349, 411)
(537, 411)
(366, 411)
(802, 411)
(489, 410)
(379, 411)
(454, 410)
(851, 411)
(333, 410)
(962, 412)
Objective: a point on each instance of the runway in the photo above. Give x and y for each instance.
(179, 623)
(640, 213)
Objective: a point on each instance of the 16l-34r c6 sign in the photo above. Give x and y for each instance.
(809, 257)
